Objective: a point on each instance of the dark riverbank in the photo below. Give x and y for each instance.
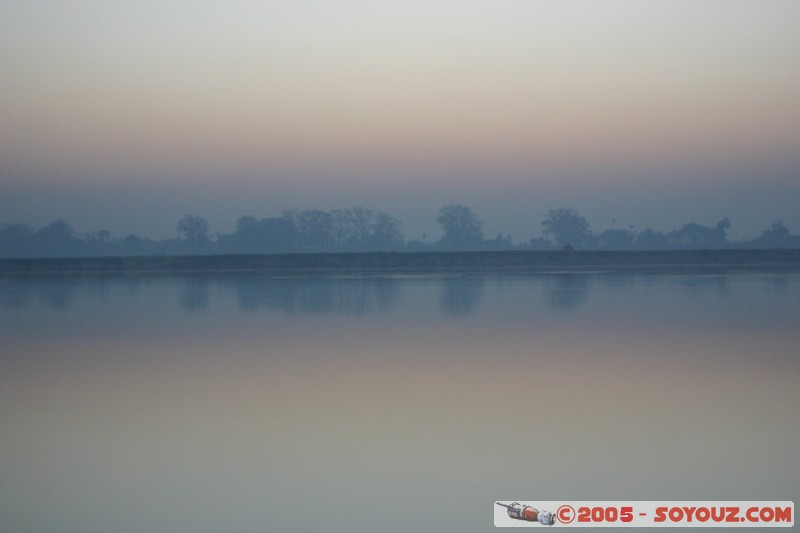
(505, 262)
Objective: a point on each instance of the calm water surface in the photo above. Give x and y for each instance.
(241, 403)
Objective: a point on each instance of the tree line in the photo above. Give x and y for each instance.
(363, 230)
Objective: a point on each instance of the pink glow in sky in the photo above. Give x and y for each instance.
(126, 115)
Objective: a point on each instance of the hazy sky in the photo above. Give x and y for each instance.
(127, 115)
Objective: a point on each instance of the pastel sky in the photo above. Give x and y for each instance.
(128, 115)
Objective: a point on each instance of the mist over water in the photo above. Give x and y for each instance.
(166, 137)
(645, 114)
(248, 403)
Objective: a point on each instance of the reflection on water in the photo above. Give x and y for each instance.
(195, 293)
(459, 296)
(243, 403)
(351, 296)
(567, 291)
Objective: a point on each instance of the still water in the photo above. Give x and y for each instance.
(243, 403)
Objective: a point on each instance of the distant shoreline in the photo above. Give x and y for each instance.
(422, 263)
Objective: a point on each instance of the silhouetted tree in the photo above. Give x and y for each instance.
(195, 231)
(314, 229)
(132, 244)
(98, 243)
(351, 226)
(268, 235)
(279, 234)
(360, 229)
(498, 243)
(356, 229)
(694, 235)
(651, 240)
(615, 239)
(777, 236)
(567, 226)
(247, 225)
(248, 237)
(386, 234)
(58, 239)
(462, 228)
(416, 245)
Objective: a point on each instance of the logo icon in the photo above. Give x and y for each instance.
(527, 513)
